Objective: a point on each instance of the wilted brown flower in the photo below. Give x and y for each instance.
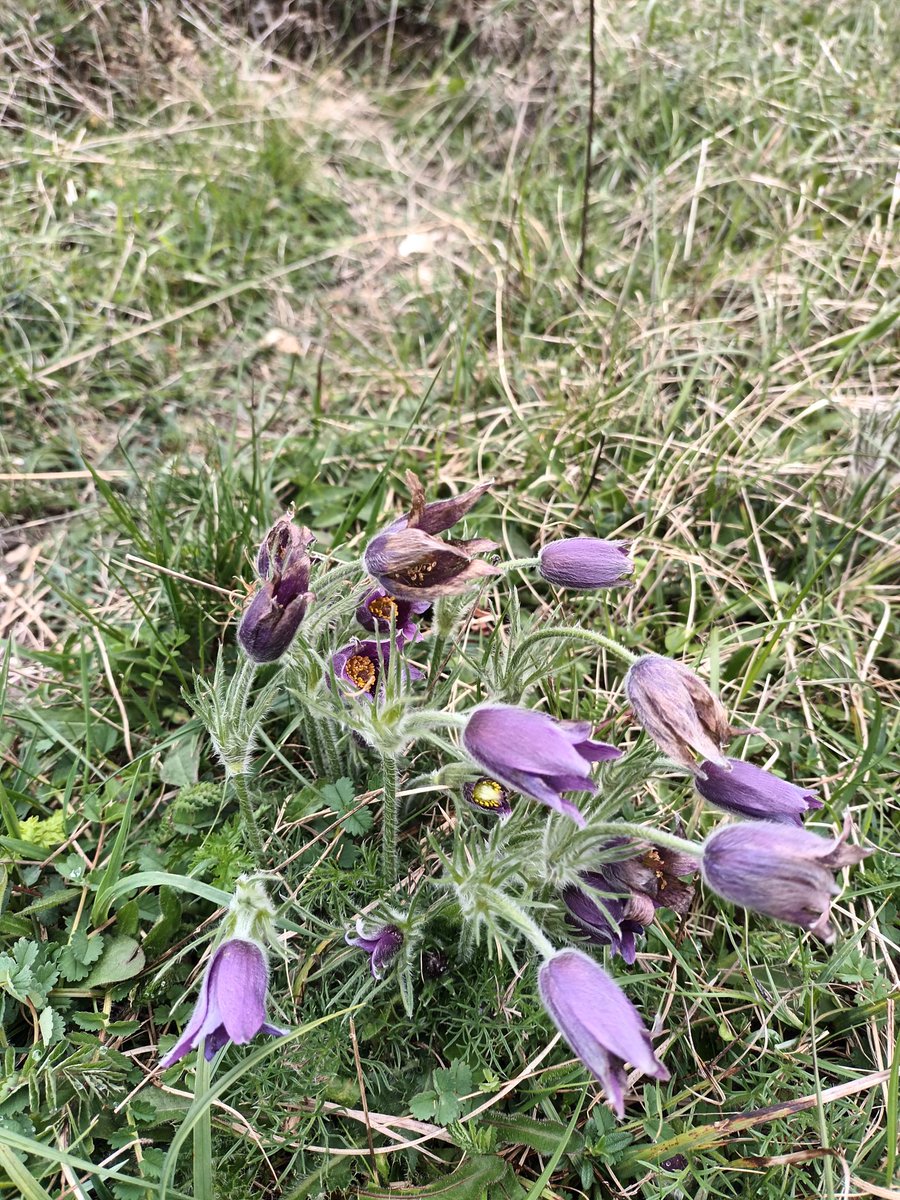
(679, 711)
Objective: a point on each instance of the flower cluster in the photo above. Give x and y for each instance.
(364, 693)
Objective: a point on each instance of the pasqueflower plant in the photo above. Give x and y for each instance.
(533, 847)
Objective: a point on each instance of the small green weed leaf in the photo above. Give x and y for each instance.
(51, 1026)
(164, 930)
(79, 955)
(122, 959)
(469, 1181)
(181, 766)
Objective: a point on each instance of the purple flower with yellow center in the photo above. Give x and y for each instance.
(587, 563)
(488, 796)
(750, 791)
(361, 666)
(379, 607)
(274, 614)
(779, 870)
(679, 711)
(535, 754)
(603, 920)
(598, 1021)
(232, 1001)
(411, 563)
(381, 943)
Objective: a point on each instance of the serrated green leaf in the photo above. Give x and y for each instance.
(122, 959)
(516, 1129)
(79, 955)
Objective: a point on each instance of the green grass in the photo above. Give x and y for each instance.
(402, 199)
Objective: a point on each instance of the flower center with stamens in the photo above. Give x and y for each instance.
(487, 793)
(361, 670)
(419, 572)
(382, 607)
(653, 860)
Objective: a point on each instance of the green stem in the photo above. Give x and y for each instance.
(517, 564)
(568, 634)
(647, 834)
(389, 830)
(505, 908)
(249, 827)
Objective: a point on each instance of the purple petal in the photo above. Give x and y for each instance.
(239, 988)
(197, 1026)
(585, 562)
(214, 1041)
(751, 791)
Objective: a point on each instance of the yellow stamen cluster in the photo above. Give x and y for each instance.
(652, 860)
(418, 573)
(382, 607)
(361, 670)
(487, 793)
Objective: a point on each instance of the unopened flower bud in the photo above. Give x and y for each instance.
(585, 562)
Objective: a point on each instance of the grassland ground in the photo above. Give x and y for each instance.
(254, 255)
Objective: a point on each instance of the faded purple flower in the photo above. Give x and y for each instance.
(535, 754)
(586, 562)
(650, 879)
(750, 791)
(603, 920)
(382, 943)
(274, 614)
(630, 890)
(779, 870)
(487, 795)
(232, 1001)
(375, 611)
(412, 564)
(679, 711)
(362, 665)
(598, 1021)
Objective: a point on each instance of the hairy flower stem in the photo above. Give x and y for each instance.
(644, 833)
(503, 907)
(389, 830)
(249, 827)
(566, 633)
(517, 564)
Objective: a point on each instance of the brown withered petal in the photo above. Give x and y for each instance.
(411, 563)
(414, 565)
(678, 711)
(439, 515)
(652, 880)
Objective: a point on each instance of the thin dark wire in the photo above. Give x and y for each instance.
(589, 138)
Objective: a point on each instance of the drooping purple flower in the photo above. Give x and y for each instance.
(586, 562)
(376, 609)
(598, 1021)
(381, 943)
(779, 870)
(232, 1001)
(412, 564)
(489, 796)
(679, 711)
(651, 879)
(361, 666)
(535, 754)
(630, 891)
(603, 920)
(274, 614)
(750, 791)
